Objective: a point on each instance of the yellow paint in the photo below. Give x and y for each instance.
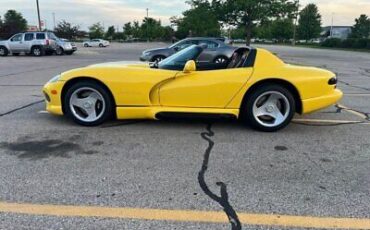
(137, 85)
(185, 216)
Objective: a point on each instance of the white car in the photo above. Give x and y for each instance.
(96, 43)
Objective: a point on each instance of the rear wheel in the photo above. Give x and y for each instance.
(86, 45)
(269, 108)
(59, 51)
(220, 60)
(101, 45)
(37, 51)
(3, 51)
(88, 103)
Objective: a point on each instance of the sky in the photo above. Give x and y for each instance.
(117, 12)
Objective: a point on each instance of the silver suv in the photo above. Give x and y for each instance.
(34, 43)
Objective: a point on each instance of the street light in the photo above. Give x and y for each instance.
(295, 24)
(38, 13)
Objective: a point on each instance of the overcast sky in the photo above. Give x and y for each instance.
(118, 12)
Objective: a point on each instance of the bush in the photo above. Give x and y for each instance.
(332, 42)
(353, 43)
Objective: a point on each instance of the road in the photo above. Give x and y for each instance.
(182, 174)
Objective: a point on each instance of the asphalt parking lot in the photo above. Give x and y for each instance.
(182, 174)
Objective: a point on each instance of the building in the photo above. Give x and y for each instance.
(32, 28)
(341, 32)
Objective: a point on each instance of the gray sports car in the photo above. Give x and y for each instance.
(216, 50)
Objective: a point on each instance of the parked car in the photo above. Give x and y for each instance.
(255, 86)
(96, 43)
(35, 43)
(216, 50)
(65, 47)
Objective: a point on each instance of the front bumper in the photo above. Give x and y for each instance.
(52, 92)
(145, 58)
(317, 103)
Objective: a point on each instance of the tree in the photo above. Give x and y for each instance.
(282, 29)
(362, 27)
(66, 30)
(309, 23)
(200, 20)
(13, 23)
(110, 33)
(96, 31)
(250, 13)
(127, 29)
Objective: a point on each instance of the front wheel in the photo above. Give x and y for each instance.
(3, 51)
(269, 108)
(101, 45)
(88, 103)
(59, 51)
(86, 45)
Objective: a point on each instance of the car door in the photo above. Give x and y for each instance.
(204, 89)
(210, 52)
(95, 42)
(28, 39)
(16, 42)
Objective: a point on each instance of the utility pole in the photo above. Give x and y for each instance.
(54, 20)
(332, 25)
(295, 24)
(38, 14)
(147, 24)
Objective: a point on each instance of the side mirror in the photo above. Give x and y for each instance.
(190, 66)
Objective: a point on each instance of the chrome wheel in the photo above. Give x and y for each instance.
(220, 60)
(271, 109)
(87, 104)
(36, 52)
(2, 51)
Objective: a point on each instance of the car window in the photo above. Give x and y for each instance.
(52, 36)
(40, 36)
(210, 44)
(178, 60)
(16, 38)
(95, 40)
(28, 37)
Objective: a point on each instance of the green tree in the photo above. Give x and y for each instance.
(110, 33)
(282, 29)
(96, 31)
(66, 30)
(13, 23)
(151, 29)
(251, 13)
(362, 27)
(127, 29)
(136, 29)
(200, 20)
(309, 23)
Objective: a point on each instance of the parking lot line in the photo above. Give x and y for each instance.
(330, 121)
(184, 216)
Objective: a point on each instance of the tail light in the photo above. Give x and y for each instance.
(47, 42)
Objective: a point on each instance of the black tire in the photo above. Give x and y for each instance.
(158, 58)
(86, 45)
(59, 51)
(4, 51)
(15, 54)
(107, 113)
(248, 116)
(101, 45)
(37, 51)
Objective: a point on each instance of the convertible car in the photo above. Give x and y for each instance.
(254, 86)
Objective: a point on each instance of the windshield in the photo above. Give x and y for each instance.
(178, 60)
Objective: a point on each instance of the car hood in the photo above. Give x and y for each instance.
(156, 50)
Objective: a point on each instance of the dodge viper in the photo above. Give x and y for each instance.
(255, 86)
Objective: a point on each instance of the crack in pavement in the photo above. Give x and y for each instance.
(223, 200)
(20, 108)
(353, 86)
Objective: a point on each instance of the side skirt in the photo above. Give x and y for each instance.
(126, 113)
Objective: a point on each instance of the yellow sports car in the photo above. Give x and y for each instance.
(255, 86)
